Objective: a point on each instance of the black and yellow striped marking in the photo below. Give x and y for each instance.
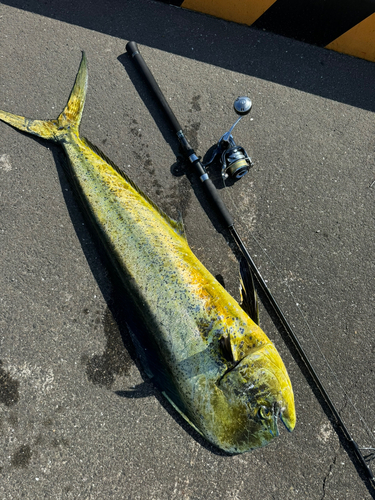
(346, 26)
(239, 11)
(358, 41)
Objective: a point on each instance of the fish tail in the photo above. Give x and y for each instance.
(68, 120)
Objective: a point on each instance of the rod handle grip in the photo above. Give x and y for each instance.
(133, 51)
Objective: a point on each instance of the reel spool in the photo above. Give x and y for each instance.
(235, 163)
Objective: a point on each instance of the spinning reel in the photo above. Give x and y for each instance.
(235, 162)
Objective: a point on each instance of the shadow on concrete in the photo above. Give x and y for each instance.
(220, 43)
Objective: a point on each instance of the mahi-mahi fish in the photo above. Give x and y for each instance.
(220, 370)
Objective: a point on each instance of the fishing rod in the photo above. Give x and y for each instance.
(235, 164)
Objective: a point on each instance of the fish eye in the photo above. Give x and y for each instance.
(264, 412)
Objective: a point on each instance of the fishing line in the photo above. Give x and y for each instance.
(371, 455)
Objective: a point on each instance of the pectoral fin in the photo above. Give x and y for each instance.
(226, 348)
(249, 298)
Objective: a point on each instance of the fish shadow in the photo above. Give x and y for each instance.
(148, 389)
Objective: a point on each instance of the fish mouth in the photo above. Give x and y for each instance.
(285, 420)
(280, 413)
(274, 430)
(275, 420)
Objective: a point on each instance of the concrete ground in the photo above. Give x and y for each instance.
(78, 417)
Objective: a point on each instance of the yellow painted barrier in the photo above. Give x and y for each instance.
(239, 11)
(359, 41)
(347, 27)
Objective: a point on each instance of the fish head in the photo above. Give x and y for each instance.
(259, 391)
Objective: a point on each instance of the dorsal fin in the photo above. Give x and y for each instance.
(178, 225)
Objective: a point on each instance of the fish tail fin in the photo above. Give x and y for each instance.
(71, 116)
(69, 119)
